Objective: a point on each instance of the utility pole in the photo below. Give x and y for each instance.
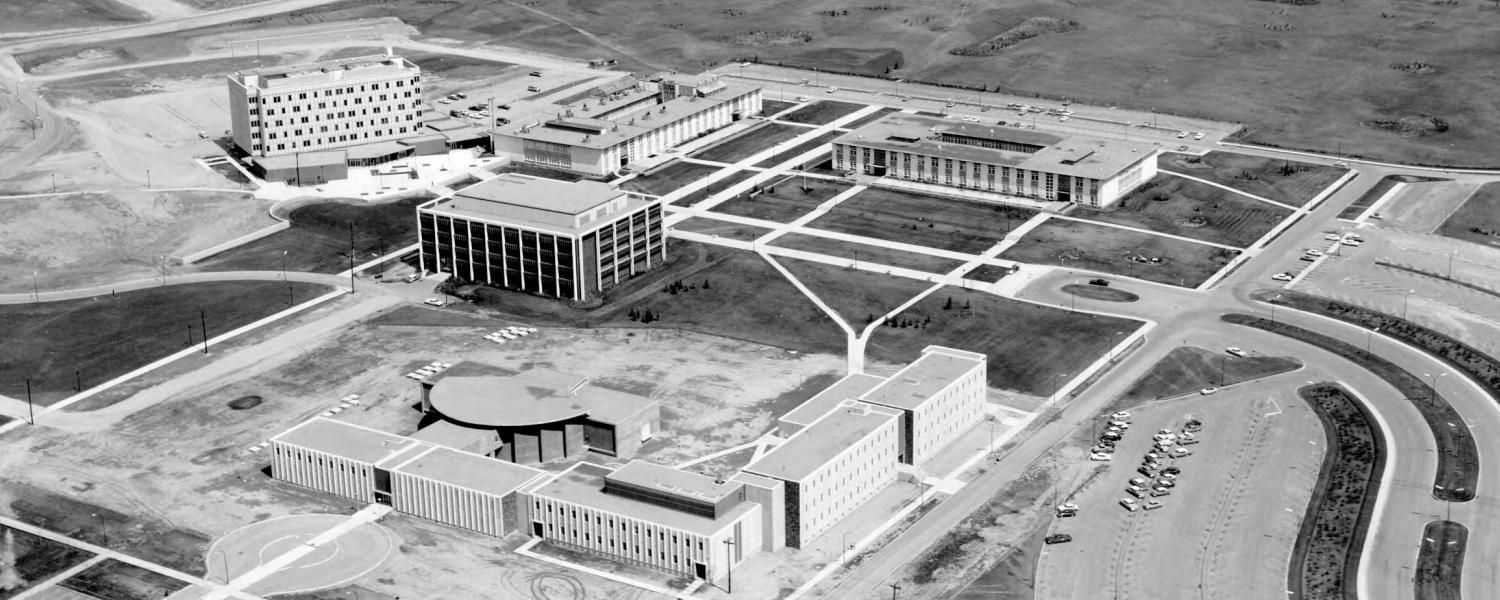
(30, 411)
(729, 562)
(895, 587)
(203, 320)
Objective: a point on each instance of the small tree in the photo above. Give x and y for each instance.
(949, 304)
(705, 284)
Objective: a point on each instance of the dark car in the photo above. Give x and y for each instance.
(1058, 538)
(1099, 282)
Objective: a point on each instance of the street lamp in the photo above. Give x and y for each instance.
(729, 562)
(844, 557)
(1367, 339)
(1404, 301)
(1056, 377)
(1432, 386)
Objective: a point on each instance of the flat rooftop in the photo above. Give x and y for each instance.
(469, 470)
(538, 202)
(919, 381)
(808, 450)
(584, 131)
(1074, 155)
(668, 480)
(356, 443)
(851, 387)
(528, 398)
(378, 65)
(584, 485)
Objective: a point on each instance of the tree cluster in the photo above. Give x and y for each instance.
(678, 286)
(643, 316)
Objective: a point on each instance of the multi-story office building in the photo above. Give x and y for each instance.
(833, 466)
(940, 395)
(600, 138)
(325, 105)
(995, 158)
(415, 477)
(649, 515)
(542, 236)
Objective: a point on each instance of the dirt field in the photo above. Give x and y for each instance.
(1194, 210)
(1478, 219)
(1228, 524)
(931, 221)
(1285, 181)
(867, 253)
(790, 201)
(76, 240)
(742, 146)
(725, 229)
(46, 16)
(1028, 344)
(821, 112)
(858, 296)
(1082, 245)
(319, 238)
(57, 344)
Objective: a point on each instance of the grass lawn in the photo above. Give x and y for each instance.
(1189, 369)
(1478, 219)
(140, 536)
(866, 253)
(537, 171)
(38, 558)
(748, 143)
(725, 229)
(670, 178)
(858, 296)
(1285, 181)
(790, 201)
(114, 580)
(771, 107)
(715, 187)
(1094, 292)
(1325, 560)
(1028, 344)
(821, 112)
(1080, 245)
(103, 337)
(931, 221)
(871, 118)
(1440, 561)
(798, 150)
(987, 273)
(1194, 210)
(318, 240)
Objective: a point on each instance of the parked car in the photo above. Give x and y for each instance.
(536, 73)
(1333, 237)
(803, 98)
(434, 301)
(1166, 483)
(1341, 164)
(1236, 351)
(1146, 470)
(1192, 425)
(832, 90)
(1159, 491)
(1182, 134)
(1313, 252)
(1282, 276)
(1101, 457)
(1130, 504)
(1123, 415)
(1153, 504)
(1198, 136)
(1140, 481)
(412, 277)
(1058, 538)
(1181, 452)
(1067, 509)
(1208, 391)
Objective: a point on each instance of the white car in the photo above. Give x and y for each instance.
(803, 98)
(1153, 504)
(1100, 456)
(1181, 452)
(445, 101)
(1182, 134)
(1063, 118)
(1282, 277)
(1236, 351)
(434, 301)
(1068, 507)
(1350, 242)
(832, 90)
(1123, 415)
(1341, 165)
(1121, 425)
(1198, 136)
(1208, 391)
(972, 119)
(1130, 504)
(1333, 237)
(1313, 252)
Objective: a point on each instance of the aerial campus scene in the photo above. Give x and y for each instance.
(567, 299)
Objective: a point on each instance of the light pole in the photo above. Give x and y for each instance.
(1113, 351)
(148, 179)
(1450, 261)
(1404, 301)
(1367, 339)
(895, 587)
(283, 265)
(1432, 387)
(1273, 308)
(1053, 397)
(729, 562)
(36, 296)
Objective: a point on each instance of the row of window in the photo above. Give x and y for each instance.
(338, 91)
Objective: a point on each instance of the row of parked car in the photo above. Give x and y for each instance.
(1312, 254)
(1158, 478)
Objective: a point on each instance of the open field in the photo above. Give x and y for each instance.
(871, 118)
(1478, 219)
(669, 178)
(1285, 181)
(78, 240)
(1458, 457)
(1080, 245)
(755, 140)
(320, 238)
(1325, 562)
(790, 201)
(56, 344)
(866, 253)
(149, 80)
(932, 221)
(1188, 369)
(66, 14)
(821, 112)
(38, 558)
(1095, 292)
(1440, 561)
(860, 297)
(1029, 345)
(798, 150)
(701, 194)
(1194, 210)
(144, 536)
(114, 580)
(725, 229)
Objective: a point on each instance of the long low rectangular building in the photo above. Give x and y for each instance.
(1093, 172)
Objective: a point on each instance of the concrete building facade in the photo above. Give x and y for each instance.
(940, 395)
(833, 466)
(995, 158)
(599, 138)
(542, 236)
(325, 105)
